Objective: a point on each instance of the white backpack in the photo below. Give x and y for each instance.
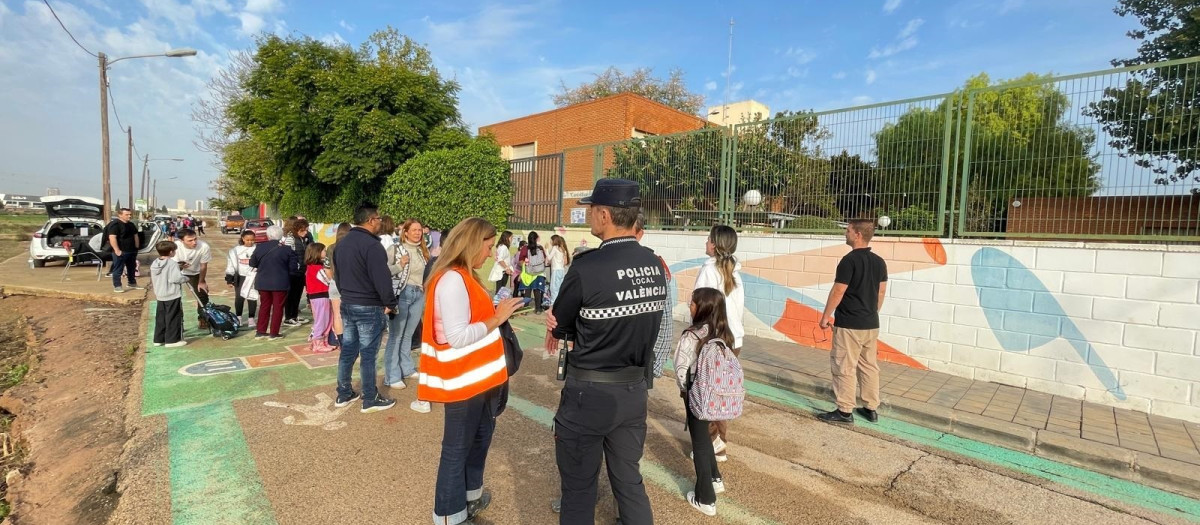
(717, 392)
(536, 263)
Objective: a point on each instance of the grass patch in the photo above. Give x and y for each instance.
(21, 223)
(14, 376)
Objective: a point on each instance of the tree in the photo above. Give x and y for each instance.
(673, 91)
(444, 186)
(1153, 117)
(315, 120)
(1020, 145)
(780, 159)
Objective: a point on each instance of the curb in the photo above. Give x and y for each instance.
(1156, 471)
(123, 299)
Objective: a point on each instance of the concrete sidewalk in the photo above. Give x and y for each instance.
(79, 282)
(1152, 450)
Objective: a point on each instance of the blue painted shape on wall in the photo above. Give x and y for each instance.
(997, 304)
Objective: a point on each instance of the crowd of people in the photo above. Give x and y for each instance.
(612, 304)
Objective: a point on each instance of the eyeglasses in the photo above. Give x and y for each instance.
(376, 219)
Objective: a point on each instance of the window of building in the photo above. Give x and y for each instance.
(523, 151)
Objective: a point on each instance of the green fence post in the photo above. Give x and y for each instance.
(946, 147)
(965, 185)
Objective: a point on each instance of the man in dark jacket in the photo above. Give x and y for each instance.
(361, 273)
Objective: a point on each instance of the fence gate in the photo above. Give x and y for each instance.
(537, 191)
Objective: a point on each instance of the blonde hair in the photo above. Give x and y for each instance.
(462, 248)
(724, 240)
(421, 243)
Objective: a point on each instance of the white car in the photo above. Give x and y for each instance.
(77, 220)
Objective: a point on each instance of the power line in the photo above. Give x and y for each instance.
(64, 27)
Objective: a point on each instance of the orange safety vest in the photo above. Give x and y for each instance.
(449, 374)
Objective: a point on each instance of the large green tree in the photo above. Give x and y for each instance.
(1153, 116)
(318, 121)
(1021, 145)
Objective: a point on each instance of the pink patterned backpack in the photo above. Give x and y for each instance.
(717, 392)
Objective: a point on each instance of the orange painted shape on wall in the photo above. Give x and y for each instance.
(934, 248)
(800, 323)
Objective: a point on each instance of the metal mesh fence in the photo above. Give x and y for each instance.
(810, 172)
(1107, 155)
(1112, 155)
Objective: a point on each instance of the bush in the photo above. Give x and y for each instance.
(914, 218)
(442, 187)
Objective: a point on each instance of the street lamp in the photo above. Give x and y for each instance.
(154, 192)
(146, 174)
(104, 167)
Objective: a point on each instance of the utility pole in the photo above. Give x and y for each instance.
(130, 133)
(106, 214)
(145, 163)
(728, 75)
(154, 193)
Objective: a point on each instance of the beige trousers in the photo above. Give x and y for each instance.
(854, 361)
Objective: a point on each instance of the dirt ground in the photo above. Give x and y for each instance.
(68, 411)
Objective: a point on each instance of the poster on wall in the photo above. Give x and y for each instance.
(578, 215)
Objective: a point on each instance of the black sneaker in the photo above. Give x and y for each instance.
(346, 400)
(377, 404)
(474, 507)
(836, 416)
(871, 415)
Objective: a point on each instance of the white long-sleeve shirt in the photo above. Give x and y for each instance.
(452, 313)
(735, 301)
(238, 260)
(685, 355)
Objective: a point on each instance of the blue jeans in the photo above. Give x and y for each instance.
(127, 261)
(363, 330)
(466, 438)
(397, 356)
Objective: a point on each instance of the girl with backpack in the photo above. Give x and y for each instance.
(710, 382)
(722, 272)
(317, 281)
(559, 259)
(533, 266)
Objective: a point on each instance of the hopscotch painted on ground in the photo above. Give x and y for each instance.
(299, 353)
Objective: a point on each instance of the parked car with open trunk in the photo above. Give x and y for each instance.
(77, 220)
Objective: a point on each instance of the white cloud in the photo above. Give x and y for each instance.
(861, 100)
(711, 85)
(346, 25)
(796, 72)
(333, 39)
(264, 6)
(839, 75)
(251, 23)
(800, 55)
(1010, 5)
(891, 5)
(905, 40)
(870, 76)
(495, 29)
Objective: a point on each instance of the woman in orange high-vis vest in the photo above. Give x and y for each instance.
(463, 367)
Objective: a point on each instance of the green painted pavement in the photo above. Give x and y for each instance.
(164, 389)
(213, 475)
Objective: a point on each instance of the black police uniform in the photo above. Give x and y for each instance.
(610, 304)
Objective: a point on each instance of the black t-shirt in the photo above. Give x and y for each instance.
(861, 271)
(126, 234)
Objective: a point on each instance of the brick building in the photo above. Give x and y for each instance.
(559, 149)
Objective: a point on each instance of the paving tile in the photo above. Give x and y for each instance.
(1101, 438)
(1140, 446)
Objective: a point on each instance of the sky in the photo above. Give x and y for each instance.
(509, 59)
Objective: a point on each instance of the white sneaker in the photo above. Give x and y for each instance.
(398, 385)
(718, 485)
(158, 344)
(176, 344)
(421, 406)
(708, 510)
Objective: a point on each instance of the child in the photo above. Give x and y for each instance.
(722, 271)
(316, 281)
(237, 269)
(166, 277)
(709, 321)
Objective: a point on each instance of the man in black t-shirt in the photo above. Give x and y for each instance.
(123, 237)
(855, 299)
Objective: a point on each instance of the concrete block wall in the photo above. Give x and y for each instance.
(1117, 324)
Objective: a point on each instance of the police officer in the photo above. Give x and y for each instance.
(610, 304)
